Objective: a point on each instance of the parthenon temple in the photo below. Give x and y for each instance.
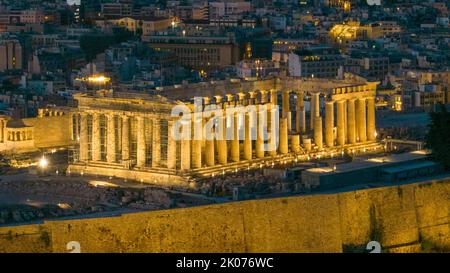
(127, 134)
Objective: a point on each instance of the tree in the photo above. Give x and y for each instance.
(438, 136)
(93, 44)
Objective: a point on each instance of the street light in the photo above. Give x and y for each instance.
(43, 163)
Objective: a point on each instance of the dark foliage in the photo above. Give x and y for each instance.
(93, 44)
(438, 137)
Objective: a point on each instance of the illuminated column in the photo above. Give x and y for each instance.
(156, 142)
(263, 97)
(2, 139)
(252, 99)
(274, 96)
(197, 126)
(283, 145)
(361, 119)
(371, 119)
(318, 138)
(307, 143)
(241, 96)
(140, 152)
(235, 140)
(315, 108)
(289, 121)
(300, 109)
(77, 126)
(272, 142)
(340, 122)
(345, 121)
(95, 137)
(171, 147)
(223, 147)
(185, 154)
(125, 138)
(71, 124)
(83, 137)
(111, 142)
(209, 150)
(351, 121)
(2, 130)
(329, 123)
(262, 124)
(218, 100)
(247, 137)
(295, 143)
(285, 103)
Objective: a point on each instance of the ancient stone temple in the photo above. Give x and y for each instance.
(128, 135)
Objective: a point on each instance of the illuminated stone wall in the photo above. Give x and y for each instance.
(50, 129)
(404, 218)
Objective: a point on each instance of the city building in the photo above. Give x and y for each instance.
(387, 169)
(369, 64)
(136, 24)
(10, 55)
(201, 50)
(342, 33)
(218, 9)
(258, 68)
(316, 61)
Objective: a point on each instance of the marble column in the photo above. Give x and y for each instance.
(197, 126)
(285, 103)
(272, 141)
(140, 151)
(274, 97)
(156, 142)
(283, 144)
(111, 139)
(185, 154)
(295, 143)
(171, 146)
(77, 127)
(329, 123)
(351, 121)
(318, 137)
(371, 119)
(289, 121)
(222, 152)
(71, 125)
(2, 131)
(262, 124)
(340, 122)
(235, 153)
(209, 150)
(95, 137)
(125, 138)
(83, 137)
(300, 112)
(263, 97)
(307, 143)
(315, 108)
(361, 119)
(252, 99)
(248, 150)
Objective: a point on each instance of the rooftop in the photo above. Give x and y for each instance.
(370, 163)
